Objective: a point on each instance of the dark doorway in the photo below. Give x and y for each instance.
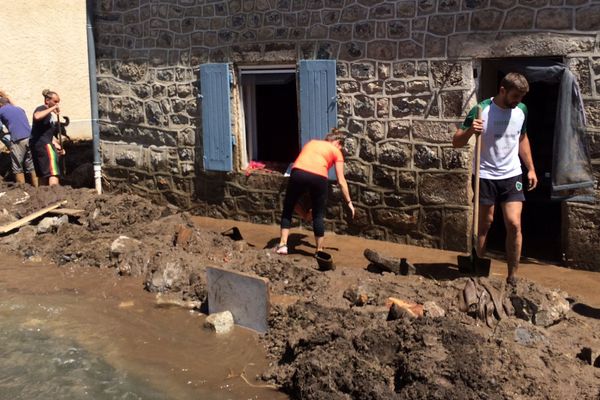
(271, 116)
(541, 218)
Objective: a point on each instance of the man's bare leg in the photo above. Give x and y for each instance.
(53, 180)
(486, 217)
(514, 238)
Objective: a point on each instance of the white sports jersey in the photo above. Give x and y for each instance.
(502, 129)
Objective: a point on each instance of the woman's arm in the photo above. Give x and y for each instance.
(339, 171)
(39, 115)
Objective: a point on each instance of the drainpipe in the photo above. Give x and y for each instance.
(93, 96)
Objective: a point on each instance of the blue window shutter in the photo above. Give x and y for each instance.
(318, 100)
(216, 117)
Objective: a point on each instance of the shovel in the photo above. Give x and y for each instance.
(473, 264)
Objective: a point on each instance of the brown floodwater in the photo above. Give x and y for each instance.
(110, 339)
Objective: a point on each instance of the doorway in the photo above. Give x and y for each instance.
(271, 115)
(541, 217)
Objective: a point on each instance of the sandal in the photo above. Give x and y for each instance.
(281, 249)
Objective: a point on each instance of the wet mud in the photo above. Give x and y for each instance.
(323, 343)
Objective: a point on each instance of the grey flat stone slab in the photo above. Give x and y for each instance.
(245, 295)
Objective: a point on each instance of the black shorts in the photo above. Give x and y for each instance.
(492, 191)
(45, 160)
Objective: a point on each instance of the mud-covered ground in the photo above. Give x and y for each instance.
(329, 336)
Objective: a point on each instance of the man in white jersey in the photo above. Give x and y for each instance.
(503, 131)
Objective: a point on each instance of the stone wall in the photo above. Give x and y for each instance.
(405, 79)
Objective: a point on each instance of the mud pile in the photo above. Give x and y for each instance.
(324, 343)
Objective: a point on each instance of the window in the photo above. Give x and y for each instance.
(270, 106)
(278, 117)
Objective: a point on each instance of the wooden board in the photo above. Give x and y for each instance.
(25, 220)
(71, 212)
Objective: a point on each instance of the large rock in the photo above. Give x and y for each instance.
(221, 322)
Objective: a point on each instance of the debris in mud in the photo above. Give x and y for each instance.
(357, 295)
(333, 340)
(221, 322)
(175, 299)
(382, 263)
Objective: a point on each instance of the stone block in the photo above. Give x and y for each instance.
(381, 50)
(581, 69)
(404, 69)
(441, 24)
(354, 13)
(409, 49)
(456, 229)
(368, 151)
(398, 221)
(363, 70)
(432, 310)
(582, 236)
(405, 9)
(394, 153)
(455, 158)
(384, 177)
(398, 129)
(245, 296)
(399, 29)
(486, 20)
(449, 5)
(364, 106)
(407, 106)
(443, 188)
(555, 18)
(426, 157)
(356, 171)
(221, 322)
(452, 104)
(588, 18)
(431, 221)
(433, 132)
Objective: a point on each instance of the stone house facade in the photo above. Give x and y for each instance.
(406, 73)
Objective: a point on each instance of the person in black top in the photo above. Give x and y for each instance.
(45, 148)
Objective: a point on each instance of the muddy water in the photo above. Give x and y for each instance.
(83, 333)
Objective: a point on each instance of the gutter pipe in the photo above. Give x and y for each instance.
(93, 96)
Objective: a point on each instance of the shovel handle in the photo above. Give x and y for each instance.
(476, 190)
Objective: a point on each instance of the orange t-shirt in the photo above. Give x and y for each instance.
(317, 156)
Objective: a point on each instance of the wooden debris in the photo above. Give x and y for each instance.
(71, 212)
(413, 309)
(25, 220)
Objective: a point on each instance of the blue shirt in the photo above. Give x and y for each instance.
(16, 121)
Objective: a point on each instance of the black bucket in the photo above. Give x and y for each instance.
(325, 261)
(233, 233)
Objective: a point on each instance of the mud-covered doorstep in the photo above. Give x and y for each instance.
(324, 344)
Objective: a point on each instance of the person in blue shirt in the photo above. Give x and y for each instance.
(15, 120)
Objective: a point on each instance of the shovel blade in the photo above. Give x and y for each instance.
(473, 264)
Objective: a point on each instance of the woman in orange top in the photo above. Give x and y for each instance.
(309, 174)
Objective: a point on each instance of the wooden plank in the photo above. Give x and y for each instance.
(25, 220)
(71, 212)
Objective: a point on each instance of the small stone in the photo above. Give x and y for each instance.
(432, 310)
(221, 322)
(240, 246)
(51, 224)
(122, 245)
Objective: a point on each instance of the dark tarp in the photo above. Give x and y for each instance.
(572, 176)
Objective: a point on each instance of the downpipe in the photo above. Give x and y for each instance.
(93, 95)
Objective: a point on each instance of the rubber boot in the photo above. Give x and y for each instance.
(34, 179)
(20, 177)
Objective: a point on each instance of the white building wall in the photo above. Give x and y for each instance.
(43, 45)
